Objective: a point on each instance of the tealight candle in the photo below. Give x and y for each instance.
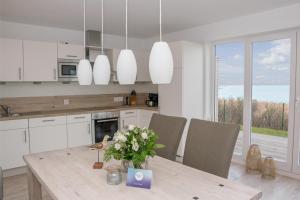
(114, 176)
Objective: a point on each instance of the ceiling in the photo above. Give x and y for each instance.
(143, 14)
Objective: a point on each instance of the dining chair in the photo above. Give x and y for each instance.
(169, 130)
(1, 184)
(209, 146)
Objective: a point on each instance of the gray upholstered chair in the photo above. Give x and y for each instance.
(209, 146)
(1, 184)
(170, 130)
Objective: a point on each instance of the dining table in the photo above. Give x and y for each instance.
(68, 174)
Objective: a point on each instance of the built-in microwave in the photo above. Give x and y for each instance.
(67, 70)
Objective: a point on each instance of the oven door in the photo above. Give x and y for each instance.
(102, 127)
(67, 70)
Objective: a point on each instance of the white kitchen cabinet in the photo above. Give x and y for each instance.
(144, 118)
(40, 61)
(47, 134)
(79, 130)
(142, 61)
(184, 95)
(128, 117)
(70, 51)
(79, 134)
(11, 60)
(14, 143)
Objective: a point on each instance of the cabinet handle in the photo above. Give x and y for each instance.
(49, 120)
(89, 129)
(20, 73)
(54, 74)
(71, 56)
(25, 136)
(129, 112)
(107, 120)
(79, 117)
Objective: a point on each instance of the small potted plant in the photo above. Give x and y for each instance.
(133, 147)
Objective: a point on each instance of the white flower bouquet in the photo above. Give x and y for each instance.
(134, 145)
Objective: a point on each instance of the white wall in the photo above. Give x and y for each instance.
(273, 20)
(43, 33)
(33, 32)
(269, 21)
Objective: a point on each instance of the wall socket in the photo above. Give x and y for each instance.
(66, 101)
(118, 99)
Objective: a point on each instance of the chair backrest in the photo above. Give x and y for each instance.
(1, 184)
(209, 146)
(170, 130)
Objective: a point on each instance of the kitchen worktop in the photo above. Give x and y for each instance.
(75, 111)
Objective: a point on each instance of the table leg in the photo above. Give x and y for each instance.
(34, 186)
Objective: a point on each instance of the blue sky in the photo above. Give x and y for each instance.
(271, 63)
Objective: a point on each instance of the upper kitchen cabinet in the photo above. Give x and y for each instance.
(40, 61)
(142, 61)
(70, 51)
(11, 60)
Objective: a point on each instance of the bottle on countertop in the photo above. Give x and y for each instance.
(133, 98)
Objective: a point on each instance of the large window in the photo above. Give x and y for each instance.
(271, 63)
(230, 80)
(255, 88)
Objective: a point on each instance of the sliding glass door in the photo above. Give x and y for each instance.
(296, 156)
(230, 91)
(272, 96)
(255, 81)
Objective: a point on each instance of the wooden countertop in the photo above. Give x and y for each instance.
(75, 111)
(68, 174)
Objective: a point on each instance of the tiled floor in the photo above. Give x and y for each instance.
(282, 188)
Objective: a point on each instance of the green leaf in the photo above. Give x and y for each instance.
(159, 146)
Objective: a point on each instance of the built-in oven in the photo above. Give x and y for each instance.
(67, 70)
(105, 123)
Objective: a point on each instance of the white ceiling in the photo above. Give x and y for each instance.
(143, 14)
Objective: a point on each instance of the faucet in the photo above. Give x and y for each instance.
(6, 109)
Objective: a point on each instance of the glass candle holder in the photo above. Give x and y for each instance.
(114, 176)
(268, 168)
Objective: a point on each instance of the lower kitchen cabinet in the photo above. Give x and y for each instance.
(14, 143)
(47, 134)
(79, 130)
(144, 118)
(126, 121)
(79, 134)
(140, 118)
(128, 117)
(48, 138)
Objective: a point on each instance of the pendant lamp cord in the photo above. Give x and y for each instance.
(126, 40)
(160, 31)
(84, 28)
(102, 51)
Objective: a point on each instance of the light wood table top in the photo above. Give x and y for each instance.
(68, 174)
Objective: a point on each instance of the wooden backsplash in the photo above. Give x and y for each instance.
(35, 104)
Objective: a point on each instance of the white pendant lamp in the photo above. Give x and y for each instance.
(101, 71)
(161, 60)
(126, 65)
(85, 72)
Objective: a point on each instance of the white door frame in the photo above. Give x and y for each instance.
(286, 166)
(296, 151)
(247, 110)
(236, 157)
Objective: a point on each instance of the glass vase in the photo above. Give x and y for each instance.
(129, 164)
